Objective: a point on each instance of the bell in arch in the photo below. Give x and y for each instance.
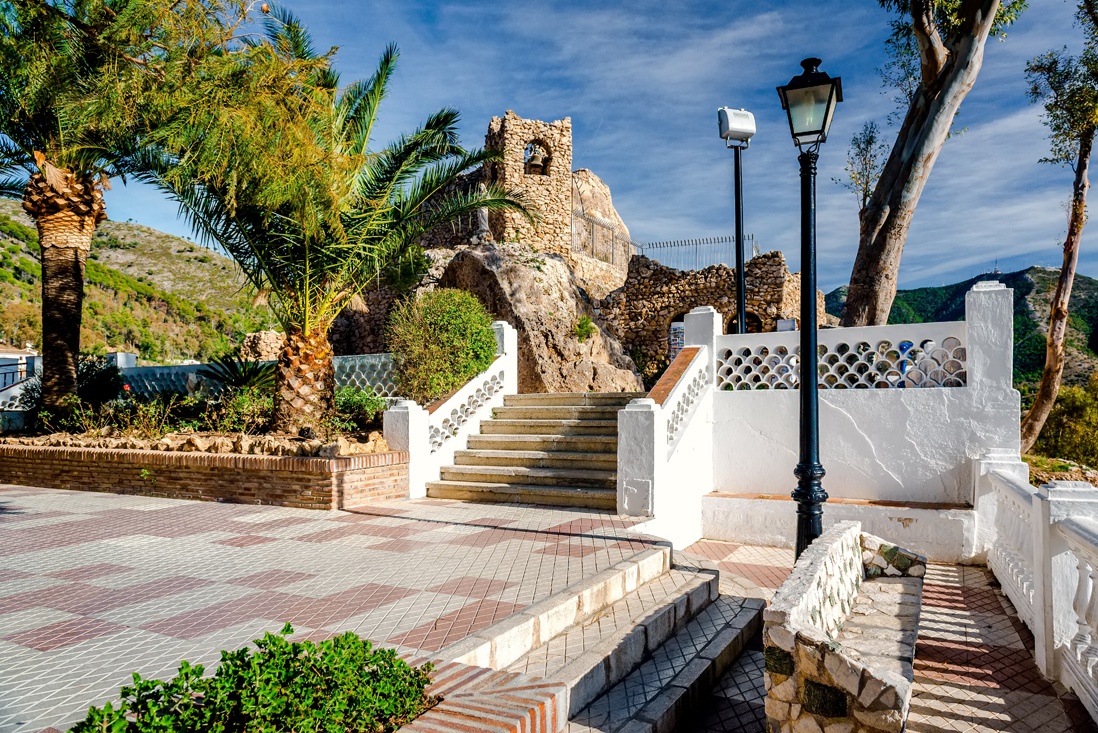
(535, 163)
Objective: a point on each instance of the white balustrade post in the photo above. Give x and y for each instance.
(507, 347)
(1058, 572)
(642, 452)
(989, 322)
(701, 327)
(405, 425)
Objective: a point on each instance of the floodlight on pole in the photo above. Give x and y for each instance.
(737, 127)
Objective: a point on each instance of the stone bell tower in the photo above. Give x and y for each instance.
(537, 160)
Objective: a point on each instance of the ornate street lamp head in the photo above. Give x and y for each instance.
(809, 100)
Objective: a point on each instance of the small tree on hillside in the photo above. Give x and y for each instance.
(948, 37)
(1068, 87)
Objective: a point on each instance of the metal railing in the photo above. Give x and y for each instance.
(601, 239)
(697, 254)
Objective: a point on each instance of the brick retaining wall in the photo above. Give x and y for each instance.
(308, 483)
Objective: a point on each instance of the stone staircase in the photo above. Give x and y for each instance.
(554, 449)
(636, 647)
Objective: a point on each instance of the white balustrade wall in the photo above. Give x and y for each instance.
(903, 409)
(665, 450)
(432, 434)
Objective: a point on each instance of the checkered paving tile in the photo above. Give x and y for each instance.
(94, 587)
(974, 666)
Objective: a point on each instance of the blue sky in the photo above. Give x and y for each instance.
(642, 82)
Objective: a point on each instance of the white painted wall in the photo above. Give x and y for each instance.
(906, 445)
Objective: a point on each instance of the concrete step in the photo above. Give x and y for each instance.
(620, 399)
(549, 427)
(590, 498)
(665, 691)
(556, 412)
(537, 459)
(501, 644)
(570, 478)
(565, 443)
(592, 657)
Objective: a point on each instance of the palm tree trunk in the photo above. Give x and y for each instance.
(66, 211)
(304, 382)
(1058, 320)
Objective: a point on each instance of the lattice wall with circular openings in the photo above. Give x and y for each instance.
(847, 365)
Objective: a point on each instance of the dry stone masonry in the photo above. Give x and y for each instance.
(640, 313)
(839, 636)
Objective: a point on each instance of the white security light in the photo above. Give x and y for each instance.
(737, 126)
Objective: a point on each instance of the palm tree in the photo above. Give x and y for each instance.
(58, 156)
(358, 213)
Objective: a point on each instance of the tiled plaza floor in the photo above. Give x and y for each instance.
(96, 586)
(974, 667)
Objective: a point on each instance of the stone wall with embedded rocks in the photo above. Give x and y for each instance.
(641, 312)
(839, 636)
(262, 346)
(548, 189)
(307, 483)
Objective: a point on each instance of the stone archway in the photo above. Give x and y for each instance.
(752, 322)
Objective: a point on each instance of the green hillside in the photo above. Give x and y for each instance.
(163, 297)
(1032, 290)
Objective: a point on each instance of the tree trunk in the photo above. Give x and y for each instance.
(66, 211)
(1058, 320)
(304, 382)
(887, 219)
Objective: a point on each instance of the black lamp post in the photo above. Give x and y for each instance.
(809, 99)
(737, 127)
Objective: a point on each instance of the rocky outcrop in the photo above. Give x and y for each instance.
(239, 443)
(591, 196)
(536, 293)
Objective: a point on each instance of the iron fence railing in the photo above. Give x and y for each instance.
(696, 254)
(601, 239)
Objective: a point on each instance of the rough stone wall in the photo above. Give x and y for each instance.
(360, 328)
(640, 313)
(550, 193)
(262, 346)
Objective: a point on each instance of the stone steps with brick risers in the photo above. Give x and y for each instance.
(615, 399)
(536, 458)
(592, 657)
(665, 691)
(549, 449)
(549, 427)
(586, 478)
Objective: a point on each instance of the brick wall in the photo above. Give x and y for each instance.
(309, 483)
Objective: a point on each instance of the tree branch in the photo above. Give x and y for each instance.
(932, 51)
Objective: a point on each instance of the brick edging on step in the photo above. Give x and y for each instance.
(303, 482)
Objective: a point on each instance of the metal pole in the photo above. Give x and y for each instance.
(741, 279)
(809, 493)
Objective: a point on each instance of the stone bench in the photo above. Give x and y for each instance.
(839, 636)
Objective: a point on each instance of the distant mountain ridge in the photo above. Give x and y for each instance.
(164, 297)
(1033, 288)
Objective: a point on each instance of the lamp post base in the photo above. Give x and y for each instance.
(810, 498)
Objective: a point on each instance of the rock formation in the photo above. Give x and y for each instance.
(591, 196)
(537, 294)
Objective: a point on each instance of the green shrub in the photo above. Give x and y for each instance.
(440, 341)
(97, 382)
(585, 329)
(248, 410)
(357, 409)
(342, 684)
(1071, 431)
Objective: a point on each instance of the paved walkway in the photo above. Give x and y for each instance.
(974, 667)
(96, 586)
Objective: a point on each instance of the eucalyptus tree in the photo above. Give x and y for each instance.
(1068, 88)
(313, 242)
(937, 50)
(60, 144)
